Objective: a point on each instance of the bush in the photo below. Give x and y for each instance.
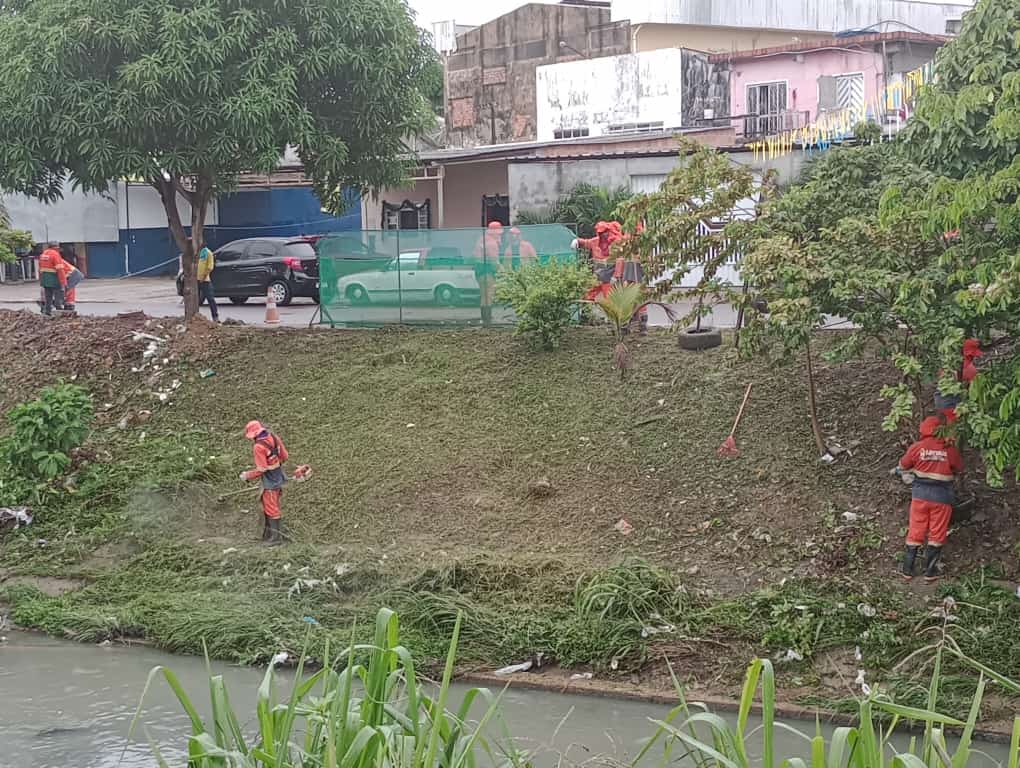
(47, 429)
(544, 296)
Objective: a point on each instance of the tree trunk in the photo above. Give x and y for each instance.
(169, 190)
(813, 402)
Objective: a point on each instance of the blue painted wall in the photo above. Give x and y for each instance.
(288, 212)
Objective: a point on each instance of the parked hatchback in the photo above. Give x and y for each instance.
(286, 266)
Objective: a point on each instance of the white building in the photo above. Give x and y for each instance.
(612, 94)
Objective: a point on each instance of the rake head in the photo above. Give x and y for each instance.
(729, 447)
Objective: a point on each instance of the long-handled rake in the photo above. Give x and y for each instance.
(729, 446)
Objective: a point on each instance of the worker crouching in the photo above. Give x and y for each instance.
(270, 455)
(934, 462)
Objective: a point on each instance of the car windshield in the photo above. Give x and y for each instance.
(301, 250)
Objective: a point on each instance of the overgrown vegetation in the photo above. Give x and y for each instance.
(581, 208)
(545, 297)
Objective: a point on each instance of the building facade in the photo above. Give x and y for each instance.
(789, 87)
(632, 93)
(490, 80)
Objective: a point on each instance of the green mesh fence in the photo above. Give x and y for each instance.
(428, 276)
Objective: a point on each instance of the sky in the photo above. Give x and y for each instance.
(469, 12)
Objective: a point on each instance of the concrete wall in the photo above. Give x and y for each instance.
(464, 186)
(491, 78)
(75, 218)
(537, 185)
(651, 37)
(827, 16)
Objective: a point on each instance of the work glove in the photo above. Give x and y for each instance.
(243, 476)
(573, 244)
(895, 471)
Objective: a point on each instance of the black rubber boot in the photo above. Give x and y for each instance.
(265, 527)
(275, 539)
(909, 557)
(931, 567)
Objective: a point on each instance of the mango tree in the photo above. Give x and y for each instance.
(185, 96)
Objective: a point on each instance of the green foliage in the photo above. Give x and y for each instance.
(187, 96)
(634, 590)
(687, 223)
(545, 298)
(46, 430)
(366, 705)
(583, 207)
(867, 131)
(12, 241)
(713, 742)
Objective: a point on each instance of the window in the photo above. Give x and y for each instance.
(766, 104)
(850, 91)
(570, 133)
(232, 252)
(635, 127)
(407, 215)
(301, 250)
(261, 249)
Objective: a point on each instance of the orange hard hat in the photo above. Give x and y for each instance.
(515, 231)
(494, 225)
(972, 348)
(602, 226)
(930, 426)
(253, 429)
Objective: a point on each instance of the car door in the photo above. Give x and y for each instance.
(257, 266)
(225, 273)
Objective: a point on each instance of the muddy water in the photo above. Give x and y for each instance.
(65, 705)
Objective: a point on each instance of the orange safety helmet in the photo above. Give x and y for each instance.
(930, 426)
(253, 429)
(972, 348)
(496, 226)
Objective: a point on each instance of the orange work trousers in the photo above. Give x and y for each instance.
(271, 503)
(928, 519)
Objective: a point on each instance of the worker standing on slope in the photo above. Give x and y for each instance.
(967, 373)
(51, 269)
(270, 455)
(934, 462)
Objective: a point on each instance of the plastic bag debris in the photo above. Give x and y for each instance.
(582, 676)
(791, 655)
(624, 527)
(20, 516)
(524, 666)
(866, 611)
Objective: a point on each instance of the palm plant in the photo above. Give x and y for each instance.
(583, 207)
(622, 304)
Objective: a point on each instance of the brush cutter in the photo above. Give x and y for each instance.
(729, 446)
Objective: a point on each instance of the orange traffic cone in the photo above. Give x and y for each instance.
(272, 313)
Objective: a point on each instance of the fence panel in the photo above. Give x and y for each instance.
(428, 276)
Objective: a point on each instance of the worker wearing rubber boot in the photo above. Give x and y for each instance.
(270, 455)
(934, 463)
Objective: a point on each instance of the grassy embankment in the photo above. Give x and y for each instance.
(427, 447)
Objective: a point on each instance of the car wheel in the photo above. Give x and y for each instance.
(280, 292)
(356, 294)
(238, 300)
(695, 341)
(445, 295)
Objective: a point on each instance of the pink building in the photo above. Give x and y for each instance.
(790, 86)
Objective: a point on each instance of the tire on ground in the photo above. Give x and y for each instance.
(695, 341)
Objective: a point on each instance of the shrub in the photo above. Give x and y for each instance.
(545, 297)
(47, 429)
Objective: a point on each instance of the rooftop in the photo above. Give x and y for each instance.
(842, 42)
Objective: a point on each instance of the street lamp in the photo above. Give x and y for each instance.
(563, 45)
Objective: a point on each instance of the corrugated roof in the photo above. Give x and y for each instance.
(854, 41)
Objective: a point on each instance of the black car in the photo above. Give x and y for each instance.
(244, 268)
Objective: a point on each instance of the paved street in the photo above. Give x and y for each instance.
(157, 298)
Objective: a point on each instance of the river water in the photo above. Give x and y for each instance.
(65, 705)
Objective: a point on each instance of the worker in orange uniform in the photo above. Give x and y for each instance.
(519, 251)
(51, 277)
(946, 404)
(70, 276)
(606, 234)
(270, 455)
(488, 250)
(934, 462)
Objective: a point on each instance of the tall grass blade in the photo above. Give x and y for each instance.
(841, 747)
(768, 712)
(698, 745)
(1014, 745)
(444, 691)
(933, 696)
(962, 755)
